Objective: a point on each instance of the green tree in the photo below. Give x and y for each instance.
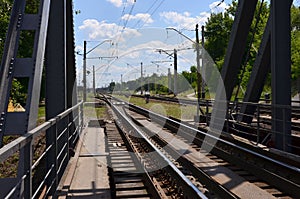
(5, 10)
(217, 32)
(218, 28)
(295, 42)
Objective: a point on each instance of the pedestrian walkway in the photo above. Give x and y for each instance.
(87, 175)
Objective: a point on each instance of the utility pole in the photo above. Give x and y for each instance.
(156, 81)
(169, 80)
(141, 78)
(121, 82)
(94, 86)
(84, 71)
(203, 61)
(175, 72)
(198, 71)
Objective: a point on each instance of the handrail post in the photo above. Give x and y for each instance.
(227, 116)
(258, 122)
(51, 140)
(27, 164)
(207, 112)
(81, 117)
(68, 135)
(284, 109)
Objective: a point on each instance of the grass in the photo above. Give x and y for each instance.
(42, 112)
(183, 112)
(95, 112)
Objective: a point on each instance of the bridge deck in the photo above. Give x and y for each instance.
(87, 174)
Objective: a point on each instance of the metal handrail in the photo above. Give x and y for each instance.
(12, 147)
(26, 140)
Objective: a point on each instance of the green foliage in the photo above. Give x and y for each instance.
(17, 94)
(217, 34)
(295, 42)
(4, 21)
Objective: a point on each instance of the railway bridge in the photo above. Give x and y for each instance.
(52, 51)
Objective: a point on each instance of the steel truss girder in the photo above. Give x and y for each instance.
(274, 54)
(259, 73)
(281, 73)
(237, 44)
(61, 91)
(12, 66)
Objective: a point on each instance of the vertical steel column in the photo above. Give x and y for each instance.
(84, 71)
(55, 81)
(71, 67)
(203, 66)
(94, 86)
(281, 73)
(141, 78)
(71, 72)
(260, 70)
(198, 71)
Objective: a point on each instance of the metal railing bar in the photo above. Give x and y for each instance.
(12, 191)
(50, 187)
(43, 182)
(61, 164)
(12, 147)
(41, 157)
(61, 151)
(62, 133)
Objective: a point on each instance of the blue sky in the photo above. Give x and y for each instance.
(133, 30)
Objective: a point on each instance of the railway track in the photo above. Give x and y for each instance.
(228, 170)
(132, 174)
(261, 123)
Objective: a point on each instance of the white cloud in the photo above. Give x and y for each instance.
(217, 7)
(184, 21)
(144, 17)
(119, 3)
(101, 30)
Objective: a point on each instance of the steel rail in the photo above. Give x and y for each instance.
(289, 186)
(203, 177)
(191, 190)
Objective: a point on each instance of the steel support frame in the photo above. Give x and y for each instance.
(259, 73)
(14, 67)
(281, 73)
(260, 70)
(60, 80)
(71, 70)
(237, 44)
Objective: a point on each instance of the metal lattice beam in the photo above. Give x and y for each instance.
(237, 44)
(281, 72)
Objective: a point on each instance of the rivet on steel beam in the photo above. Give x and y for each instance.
(11, 66)
(19, 21)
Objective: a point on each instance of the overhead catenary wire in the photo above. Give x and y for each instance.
(124, 26)
(152, 13)
(154, 7)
